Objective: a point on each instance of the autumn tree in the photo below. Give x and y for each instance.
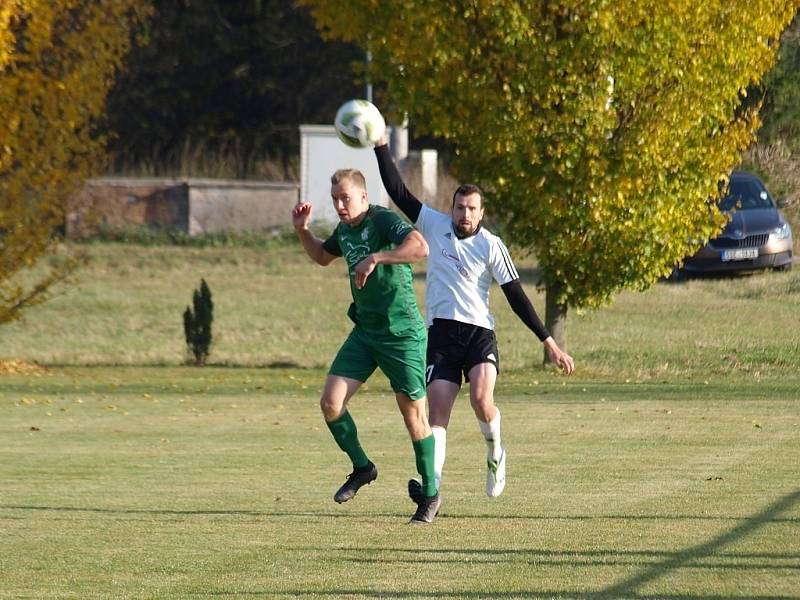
(57, 61)
(601, 129)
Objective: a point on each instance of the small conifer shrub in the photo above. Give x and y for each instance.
(197, 323)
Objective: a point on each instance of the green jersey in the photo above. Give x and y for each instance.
(386, 304)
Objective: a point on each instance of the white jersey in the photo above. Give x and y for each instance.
(460, 271)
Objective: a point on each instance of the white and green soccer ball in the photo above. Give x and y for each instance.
(359, 123)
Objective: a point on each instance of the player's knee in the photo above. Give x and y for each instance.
(414, 417)
(420, 420)
(482, 398)
(483, 406)
(331, 409)
(417, 427)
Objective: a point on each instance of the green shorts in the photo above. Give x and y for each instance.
(401, 358)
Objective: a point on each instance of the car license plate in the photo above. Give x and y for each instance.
(740, 254)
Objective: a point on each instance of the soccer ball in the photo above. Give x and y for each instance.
(359, 123)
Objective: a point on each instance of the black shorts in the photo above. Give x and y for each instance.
(455, 347)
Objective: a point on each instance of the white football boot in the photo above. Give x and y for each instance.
(496, 475)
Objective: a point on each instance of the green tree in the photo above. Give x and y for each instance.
(781, 112)
(58, 59)
(601, 129)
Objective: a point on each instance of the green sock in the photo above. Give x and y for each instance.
(346, 435)
(423, 450)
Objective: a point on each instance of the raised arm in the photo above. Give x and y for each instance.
(522, 307)
(412, 249)
(301, 216)
(397, 190)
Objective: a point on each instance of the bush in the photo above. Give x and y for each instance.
(197, 324)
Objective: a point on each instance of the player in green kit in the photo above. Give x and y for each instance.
(388, 333)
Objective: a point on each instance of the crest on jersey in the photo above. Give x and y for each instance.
(355, 253)
(365, 234)
(457, 264)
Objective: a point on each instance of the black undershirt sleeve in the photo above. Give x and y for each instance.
(331, 245)
(397, 190)
(523, 308)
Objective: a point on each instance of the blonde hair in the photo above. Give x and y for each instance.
(354, 176)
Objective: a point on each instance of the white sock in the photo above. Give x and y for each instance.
(491, 431)
(439, 452)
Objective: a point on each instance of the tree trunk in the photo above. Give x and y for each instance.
(555, 319)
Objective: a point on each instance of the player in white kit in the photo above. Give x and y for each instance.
(463, 260)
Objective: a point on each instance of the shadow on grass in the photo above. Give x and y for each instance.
(666, 562)
(400, 514)
(203, 513)
(681, 276)
(275, 364)
(689, 555)
(536, 558)
(532, 594)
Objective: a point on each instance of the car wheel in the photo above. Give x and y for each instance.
(784, 268)
(677, 276)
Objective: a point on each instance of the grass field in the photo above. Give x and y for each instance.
(667, 467)
(274, 308)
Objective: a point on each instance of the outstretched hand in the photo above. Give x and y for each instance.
(301, 215)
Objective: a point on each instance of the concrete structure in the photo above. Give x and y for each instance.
(322, 153)
(429, 162)
(198, 206)
(220, 206)
(191, 205)
(398, 141)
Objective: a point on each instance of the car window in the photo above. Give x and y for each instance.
(746, 195)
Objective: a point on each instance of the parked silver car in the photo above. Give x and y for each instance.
(756, 237)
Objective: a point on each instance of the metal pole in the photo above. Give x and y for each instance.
(369, 82)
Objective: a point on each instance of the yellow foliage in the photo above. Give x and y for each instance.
(58, 59)
(600, 129)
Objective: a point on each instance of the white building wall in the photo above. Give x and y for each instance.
(322, 153)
